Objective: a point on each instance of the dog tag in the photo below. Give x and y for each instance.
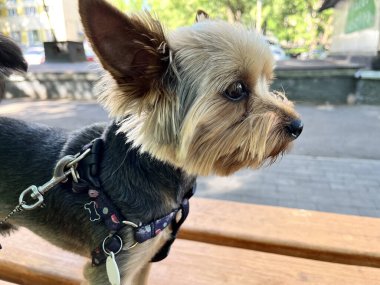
(112, 270)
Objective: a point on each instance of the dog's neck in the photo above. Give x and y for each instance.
(142, 187)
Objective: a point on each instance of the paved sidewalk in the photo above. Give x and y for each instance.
(340, 185)
(334, 166)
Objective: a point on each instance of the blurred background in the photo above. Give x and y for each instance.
(327, 62)
(295, 29)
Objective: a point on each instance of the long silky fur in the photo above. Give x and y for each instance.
(6, 228)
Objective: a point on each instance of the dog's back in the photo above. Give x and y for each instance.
(11, 59)
(28, 153)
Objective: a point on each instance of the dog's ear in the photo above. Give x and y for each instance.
(11, 59)
(201, 16)
(131, 48)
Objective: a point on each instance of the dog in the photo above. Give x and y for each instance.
(11, 59)
(191, 102)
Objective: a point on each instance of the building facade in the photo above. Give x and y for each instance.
(27, 22)
(356, 28)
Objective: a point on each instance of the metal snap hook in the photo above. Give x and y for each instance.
(35, 194)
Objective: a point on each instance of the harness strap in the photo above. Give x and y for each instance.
(101, 207)
(176, 225)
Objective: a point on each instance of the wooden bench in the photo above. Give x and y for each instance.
(229, 243)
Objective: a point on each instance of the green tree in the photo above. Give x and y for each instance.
(295, 23)
(120, 4)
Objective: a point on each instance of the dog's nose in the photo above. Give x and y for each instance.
(295, 128)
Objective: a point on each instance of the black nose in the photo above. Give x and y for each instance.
(295, 128)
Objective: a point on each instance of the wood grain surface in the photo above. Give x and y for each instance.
(204, 264)
(309, 234)
(189, 263)
(240, 244)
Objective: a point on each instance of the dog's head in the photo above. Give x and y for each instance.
(197, 97)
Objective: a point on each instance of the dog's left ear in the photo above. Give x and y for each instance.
(11, 59)
(131, 48)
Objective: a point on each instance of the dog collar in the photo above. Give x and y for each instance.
(101, 208)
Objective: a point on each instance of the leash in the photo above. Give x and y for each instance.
(65, 167)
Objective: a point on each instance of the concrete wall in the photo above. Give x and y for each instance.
(78, 86)
(316, 86)
(368, 87)
(319, 86)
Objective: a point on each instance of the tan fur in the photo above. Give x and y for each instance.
(136, 269)
(215, 135)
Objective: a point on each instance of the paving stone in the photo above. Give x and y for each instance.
(343, 192)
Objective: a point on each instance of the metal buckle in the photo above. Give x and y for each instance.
(133, 225)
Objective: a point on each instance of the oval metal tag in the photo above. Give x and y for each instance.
(112, 270)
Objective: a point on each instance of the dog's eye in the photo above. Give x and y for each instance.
(236, 91)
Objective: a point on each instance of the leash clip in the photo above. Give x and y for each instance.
(60, 176)
(35, 194)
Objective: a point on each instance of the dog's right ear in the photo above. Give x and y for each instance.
(132, 48)
(201, 16)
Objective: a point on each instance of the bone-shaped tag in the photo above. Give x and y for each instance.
(91, 208)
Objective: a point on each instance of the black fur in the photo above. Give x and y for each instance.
(11, 59)
(142, 187)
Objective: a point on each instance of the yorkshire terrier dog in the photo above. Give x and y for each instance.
(194, 101)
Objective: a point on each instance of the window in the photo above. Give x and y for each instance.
(12, 12)
(30, 11)
(33, 37)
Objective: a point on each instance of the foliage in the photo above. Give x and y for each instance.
(295, 23)
(121, 4)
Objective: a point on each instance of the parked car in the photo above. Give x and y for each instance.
(318, 53)
(277, 51)
(90, 54)
(34, 55)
